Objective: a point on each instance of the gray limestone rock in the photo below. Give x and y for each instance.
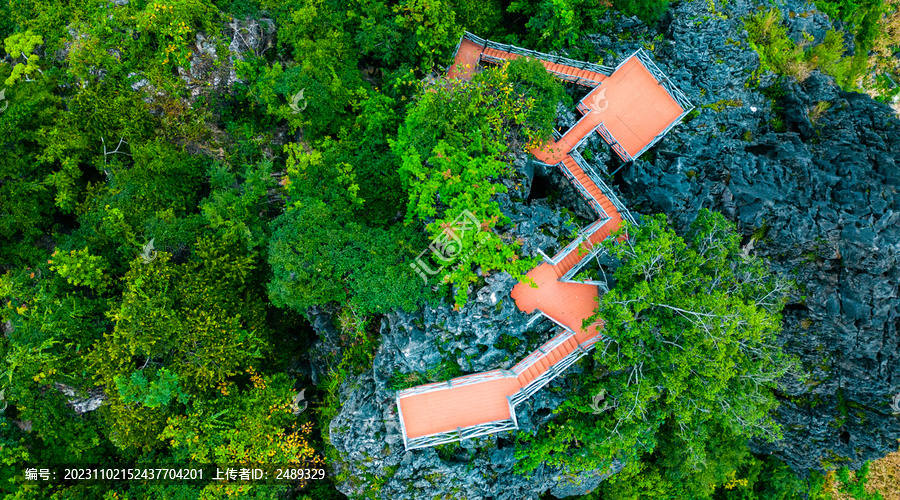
(822, 197)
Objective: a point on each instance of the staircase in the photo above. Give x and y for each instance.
(484, 403)
(583, 77)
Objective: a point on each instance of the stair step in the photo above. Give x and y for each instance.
(546, 363)
(562, 351)
(554, 356)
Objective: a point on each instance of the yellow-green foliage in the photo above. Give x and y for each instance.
(454, 164)
(777, 52)
(768, 36)
(79, 267)
(20, 45)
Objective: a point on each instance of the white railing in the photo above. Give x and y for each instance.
(461, 433)
(555, 370)
(458, 45)
(608, 137)
(570, 274)
(402, 425)
(474, 38)
(674, 92)
(534, 318)
(592, 174)
(551, 318)
(663, 80)
(577, 80)
(465, 380)
(583, 191)
(542, 351)
(476, 378)
(583, 236)
(421, 389)
(583, 65)
(663, 133)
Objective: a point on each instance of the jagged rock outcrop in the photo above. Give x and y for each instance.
(367, 432)
(82, 403)
(211, 66)
(438, 342)
(244, 36)
(820, 200)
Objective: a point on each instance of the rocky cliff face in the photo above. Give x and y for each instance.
(489, 332)
(819, 199)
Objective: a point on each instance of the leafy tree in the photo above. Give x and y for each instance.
(250, 422)
(665, 472)
(557, 23)
(365, 148)
(735, 474)
(319, 256)
(156, 190)
(52, 328)
(433, 25)
(649, 11)
(79, 267)
(14, 453)
(27, 167)
(198, 321)
(856, 487)
(21, 45)
(480, 17)
(454, 147)
(327, 72)
(150, 393)
(692, 324)
(236, 202)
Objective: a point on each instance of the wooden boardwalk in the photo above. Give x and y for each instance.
(633, 109)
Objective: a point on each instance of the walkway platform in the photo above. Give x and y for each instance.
(631, 106)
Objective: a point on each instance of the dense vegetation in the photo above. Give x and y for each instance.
(691, 366)
(867, 62)
(164, 231)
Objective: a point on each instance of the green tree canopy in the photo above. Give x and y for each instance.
(691, 325)
(456, 147)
